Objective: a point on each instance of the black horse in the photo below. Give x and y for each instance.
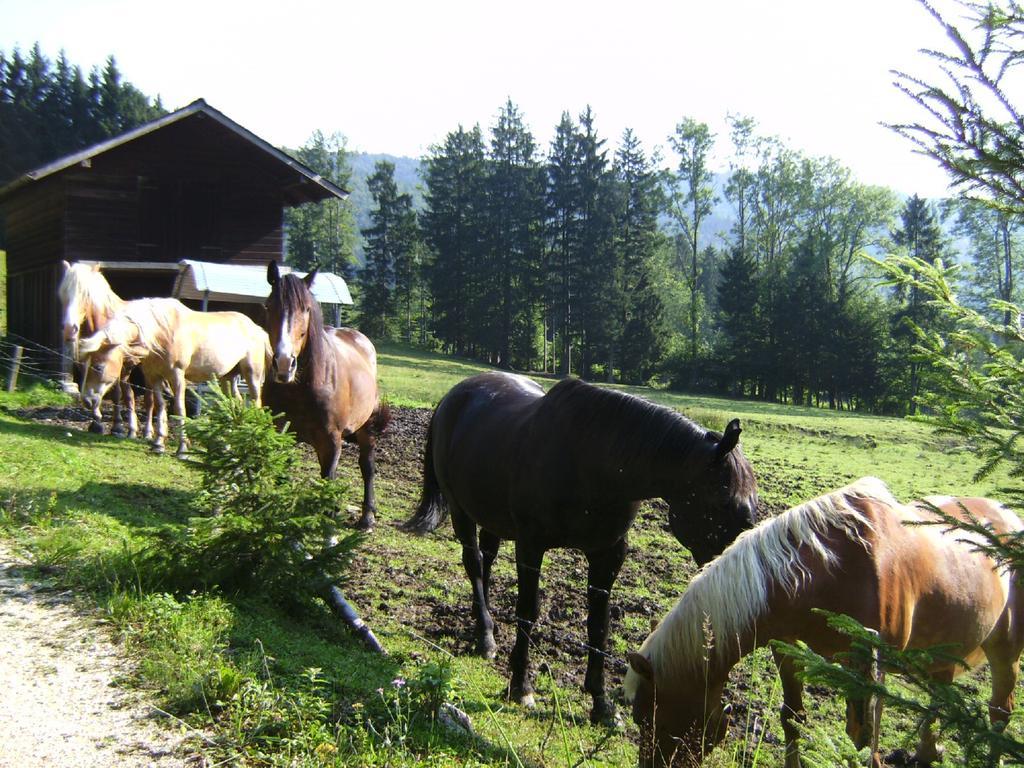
(569, 469)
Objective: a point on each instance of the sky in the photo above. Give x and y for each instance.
(395, 77)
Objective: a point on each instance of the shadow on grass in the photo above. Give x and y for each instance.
(135, 505)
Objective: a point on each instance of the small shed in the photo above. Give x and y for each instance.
(193, 185)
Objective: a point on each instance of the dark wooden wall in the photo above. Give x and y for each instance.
(190, 190)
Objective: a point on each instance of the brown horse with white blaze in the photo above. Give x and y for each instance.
(858, 552)
(323, 381)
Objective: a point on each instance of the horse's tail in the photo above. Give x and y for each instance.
(380, 419)
(432, 510)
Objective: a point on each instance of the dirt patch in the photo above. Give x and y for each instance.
(60, 705)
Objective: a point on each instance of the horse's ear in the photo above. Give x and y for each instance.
(66, 264)
(308, 279)
(95, 266)
(729, 440)
(273, 274)
(641, 665)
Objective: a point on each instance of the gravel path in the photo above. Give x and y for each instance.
(59, 707)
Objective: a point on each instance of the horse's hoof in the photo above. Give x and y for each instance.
(158, 449)
(366, 523)
(96, 428)
(487, 648)
(604, 713)
(522, 698)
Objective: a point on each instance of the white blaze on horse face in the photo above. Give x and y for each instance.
(284, 356)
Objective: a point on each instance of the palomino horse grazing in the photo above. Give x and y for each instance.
(569, 469)
(324, 381)
(848, 552)
(174, 344)
(88, 303)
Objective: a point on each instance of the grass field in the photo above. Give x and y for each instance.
(275, 688)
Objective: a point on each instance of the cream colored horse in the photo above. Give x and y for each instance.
(174, 344)
(88, 303)
(858, 552)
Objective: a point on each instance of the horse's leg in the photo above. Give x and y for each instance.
(116, 398)
(160, 405)
(603, 568)
(474, 563)
(367, 450)
(129, 402)
(529, 557)
(1005, 665)
(489, 546)
(928, 750)
(864, 714)
(178, 387)
(96, 425)
(792, 712)
(255, 384)
(148, 404)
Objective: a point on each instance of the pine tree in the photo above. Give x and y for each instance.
(640, 330)
(324, 233)
(740, 319)
(515, 187)
(597, 256)
(920, 237)
(564, 211)
(453, 227)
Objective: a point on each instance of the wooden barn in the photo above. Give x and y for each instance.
(192, 185)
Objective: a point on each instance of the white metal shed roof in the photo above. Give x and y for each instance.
(244, 283)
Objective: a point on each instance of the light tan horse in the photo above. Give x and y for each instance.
(87, 304)
(175, 344)
(849, 552)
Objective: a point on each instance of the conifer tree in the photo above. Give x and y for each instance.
(639, 331)
(387, 277)
(323, 233)
(453, 227)
(564, 211)
(515, 187)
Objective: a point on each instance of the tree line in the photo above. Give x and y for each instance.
(580, 258)
(49, 109)
(593, 261)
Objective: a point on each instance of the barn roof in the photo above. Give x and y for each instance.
(313, 186)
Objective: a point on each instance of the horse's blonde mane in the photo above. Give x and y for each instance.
(156, 320)
(732, 591)
(89, 288)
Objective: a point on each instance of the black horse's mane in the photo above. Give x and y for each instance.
(316, 363)
(640, 427)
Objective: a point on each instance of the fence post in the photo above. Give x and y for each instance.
(12, 374)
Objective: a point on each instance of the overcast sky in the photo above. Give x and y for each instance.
(396, 77)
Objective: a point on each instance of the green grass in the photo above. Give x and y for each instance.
(278, 688)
